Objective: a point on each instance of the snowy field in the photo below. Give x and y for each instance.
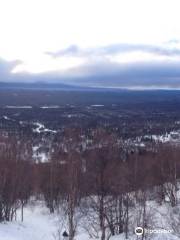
(40, 225)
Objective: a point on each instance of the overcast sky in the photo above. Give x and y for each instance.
(133, 43)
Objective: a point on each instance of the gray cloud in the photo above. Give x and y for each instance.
(6, 67)
(71, 50)
(142, 74)
(103, 73)
(147, 74)
(113, 49)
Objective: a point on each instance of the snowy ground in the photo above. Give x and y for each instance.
(37, 225)
(40, 225)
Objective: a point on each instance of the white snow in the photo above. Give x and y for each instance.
(46, 107)
(6, 118)
(172, 137)
(41, 128)
(40, 156)
(97, 105)
(18, 107)
(38, 224)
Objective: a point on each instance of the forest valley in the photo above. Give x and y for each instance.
(93, 179)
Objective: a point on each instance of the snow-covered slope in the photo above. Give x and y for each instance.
(37, 225)
(40, 225)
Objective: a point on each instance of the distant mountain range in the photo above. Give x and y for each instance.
(52, 86)
(67, 87)
(38, 85)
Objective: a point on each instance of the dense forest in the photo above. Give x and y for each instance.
(92, 177)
